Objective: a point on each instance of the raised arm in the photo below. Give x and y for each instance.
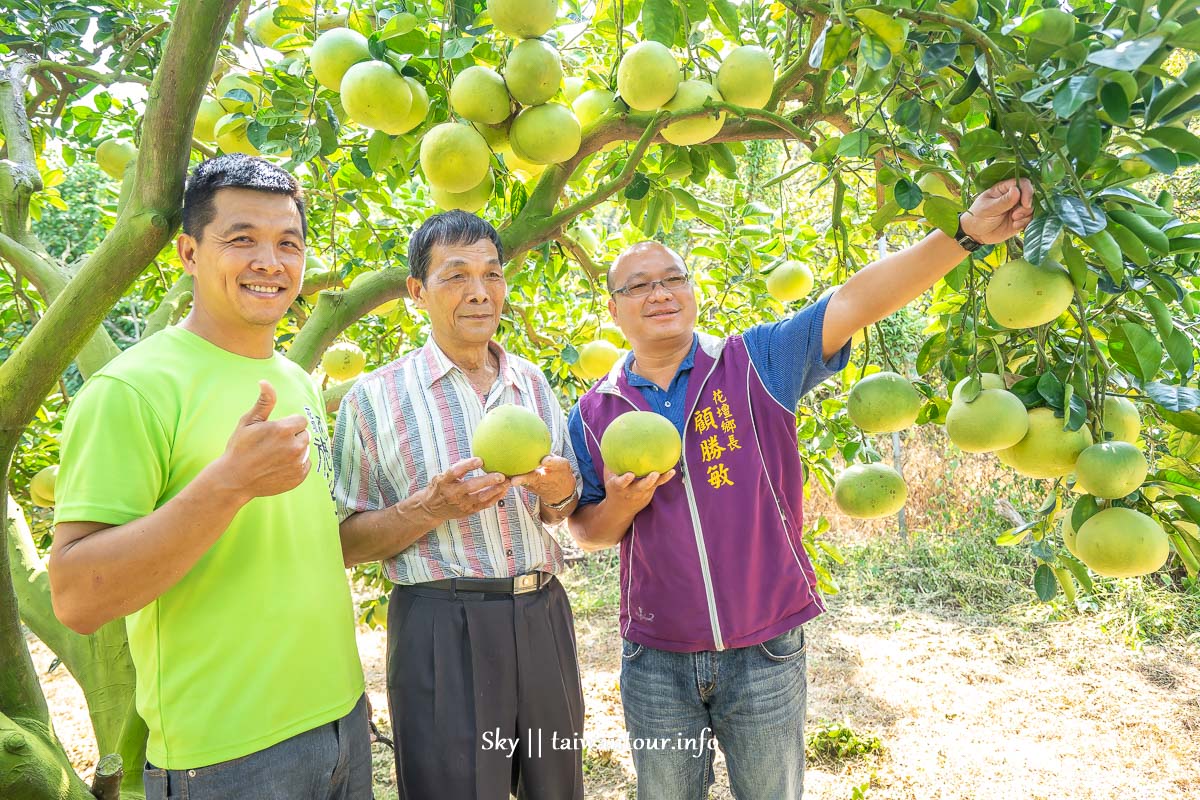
(892, 282)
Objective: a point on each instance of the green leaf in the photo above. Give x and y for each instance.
(943, 213)
(1074, 93)
(836, 44)
(660, 21)
(1127, 56)
(1051, 390)
(1079, 571)
(937, 56)
(1162, 315)
(1078, 216)
(980, 144)
(1044, 583)
(908, 114)
(1175, 399)
(1181, 352)
(726, 12)
(874, 52)
(1085, 508)
(1084, 136)
(1114, 102)
(855, 144)
(1179, 139)
(1190, 506)
(1040, 235)
(638, 188)
(1136, 350)
(908, 195)
(890, 31)
(1161, 159)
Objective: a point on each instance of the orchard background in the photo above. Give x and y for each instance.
(882, 121)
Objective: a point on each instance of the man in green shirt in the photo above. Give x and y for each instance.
(195, 501)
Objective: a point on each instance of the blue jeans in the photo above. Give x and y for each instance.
(332, 762)
(750, 700)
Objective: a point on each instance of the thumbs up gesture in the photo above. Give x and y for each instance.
(263, 457)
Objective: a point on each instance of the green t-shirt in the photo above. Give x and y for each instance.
(256, 643)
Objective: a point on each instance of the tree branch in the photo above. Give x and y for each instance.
(85, 74)
(577, 252)
(336, 311)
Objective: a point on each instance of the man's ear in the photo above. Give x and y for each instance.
(416, 291)
(186, 246)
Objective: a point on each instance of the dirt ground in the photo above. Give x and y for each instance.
(962, 711)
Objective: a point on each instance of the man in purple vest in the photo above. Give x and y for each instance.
(715, 583)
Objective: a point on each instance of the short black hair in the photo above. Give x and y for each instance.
(234, 171)
(448, 227)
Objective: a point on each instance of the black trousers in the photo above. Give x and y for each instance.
(484, 694)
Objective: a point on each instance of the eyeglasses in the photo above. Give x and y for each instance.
(672, 283)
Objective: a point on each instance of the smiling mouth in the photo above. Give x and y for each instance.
(263, 289)
(670, 313)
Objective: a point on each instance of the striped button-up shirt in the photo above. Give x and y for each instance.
(409, 421)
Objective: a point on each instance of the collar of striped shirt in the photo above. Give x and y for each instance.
(438, 365)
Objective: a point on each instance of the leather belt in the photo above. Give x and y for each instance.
(520, 584)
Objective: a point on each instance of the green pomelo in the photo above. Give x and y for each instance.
(511, 440)
(1051, 26)
(790, 281)
(376, 96)
(496, 136)
(597, 358)
(235, 80)
(471, 200)
(593, 104)
(522, 167)
(1021, 295)
(693, 130)
(994, 420)
(1111, 469)
(264, 30)
(334, 52)
(932, 184)
(1069, 535)
(640, 442)
(343, 360)
(205, 129)
(1122, 543)
(42, 485)
(883, 402)
(231, 135)
(870, 491)
(419, 108)
(545, 134)
(478, 94)
(523, 18)
(746, 76)
(648, 76)
(572, 87)
(454, 157)
(1121, 419)
(987, 380)
(1047, 451)
(113, 155)
(533, 72)
(586, 237)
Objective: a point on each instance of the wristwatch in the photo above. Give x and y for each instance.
(561, 505)
(965, 241)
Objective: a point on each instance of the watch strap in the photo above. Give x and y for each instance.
(965, 241)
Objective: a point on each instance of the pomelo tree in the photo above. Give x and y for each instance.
(750, 134)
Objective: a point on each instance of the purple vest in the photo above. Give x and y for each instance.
(716, 560)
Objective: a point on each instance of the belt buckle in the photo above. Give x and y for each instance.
(528, 582)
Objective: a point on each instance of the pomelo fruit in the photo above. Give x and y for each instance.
(236, 80)
(471, 200)
(1068, 533)
(1050, 26)
(523, 18)
(1122, 543)
(478, 94)
(511, 440)
(597, 358)
(1121, 419)
(231, 135)
(376, 96)
(1021, 295)
(545, 134)
(419, 108)
(496, 136)
(334, 52)
(648, 76)
(640, 442)
(994, 420)
(932, 185)
(343, 360)
(205, 129)
(883, 402)
(454, 157)
(987, 380)
(869, 491)
(572, 87)
(593, 104)
(789, 281)
(533, 72)
(693, 130)
(746, 76)
(522, 169)
(1111, 469)
(41, 487)
(113, 155)
(1046, 451)
(264, 30)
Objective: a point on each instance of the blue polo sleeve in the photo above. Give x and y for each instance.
(593, 487)
(787, 353)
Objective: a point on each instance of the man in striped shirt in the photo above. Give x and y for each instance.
(482, 674)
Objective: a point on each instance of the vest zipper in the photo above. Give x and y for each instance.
(718, 642)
